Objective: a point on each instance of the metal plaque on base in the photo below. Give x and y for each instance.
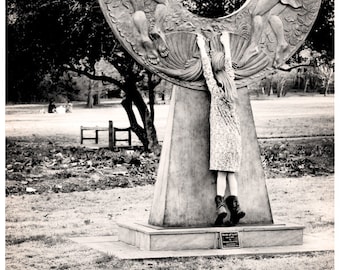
(228, 240)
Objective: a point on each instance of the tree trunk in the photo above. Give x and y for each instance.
(148, 135)
(150, 127)
(328, 82)
(146, 117)
(306, 85)
(280, 88)
(136, 128)
(89, 100)
(326, 88)
(96, 99)
(152, 103)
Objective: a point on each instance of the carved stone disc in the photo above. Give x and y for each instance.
(161, 35)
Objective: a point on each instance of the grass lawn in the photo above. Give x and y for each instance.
(38, 227)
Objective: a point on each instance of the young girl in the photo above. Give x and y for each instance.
(225, 137)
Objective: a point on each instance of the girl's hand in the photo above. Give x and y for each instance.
(200, 40)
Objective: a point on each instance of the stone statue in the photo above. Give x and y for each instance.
(266, 12)
(211, 142)
(154, 39)
(161, 35)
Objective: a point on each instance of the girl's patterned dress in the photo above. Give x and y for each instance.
(225, 137)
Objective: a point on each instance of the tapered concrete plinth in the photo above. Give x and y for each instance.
(146, 237)
(317, 242)
(186, 188)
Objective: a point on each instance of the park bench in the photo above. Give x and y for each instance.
(120, 130)
(113, 138)
(96, 129)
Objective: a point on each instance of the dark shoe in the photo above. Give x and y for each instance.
(235, 211)
(221, 210)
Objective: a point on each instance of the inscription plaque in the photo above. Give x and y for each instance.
(228, 240)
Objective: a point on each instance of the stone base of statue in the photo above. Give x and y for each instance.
(183, 209)
(275, 243)
(185, 188)
(154, 238)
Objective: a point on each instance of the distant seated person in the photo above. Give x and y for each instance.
(51, 107)
(61, 109)
(68, 107)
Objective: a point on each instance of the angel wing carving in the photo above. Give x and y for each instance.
(161, 35)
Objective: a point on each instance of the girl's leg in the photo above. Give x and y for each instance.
(232, 201)
(221, 183)
(219, 199)
(232, 181)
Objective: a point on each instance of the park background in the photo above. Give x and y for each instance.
(57, 188)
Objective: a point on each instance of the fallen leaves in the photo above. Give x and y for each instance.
(297, 158)
(67, 168)
(36, 167)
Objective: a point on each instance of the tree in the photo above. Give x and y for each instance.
(213, 9)
(316, 56)
(320, 71)
(51, 37)
(321, 38)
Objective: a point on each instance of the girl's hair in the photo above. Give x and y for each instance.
(224, 80)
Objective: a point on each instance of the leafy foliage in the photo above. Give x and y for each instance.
(321, 38)
(213, 9)
(44, 36)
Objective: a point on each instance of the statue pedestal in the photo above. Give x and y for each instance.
(183, 210)
(147, 237)
(185, 188)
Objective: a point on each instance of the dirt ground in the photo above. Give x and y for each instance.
(38, 227)
(39, 222)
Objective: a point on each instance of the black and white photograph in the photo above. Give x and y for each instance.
(169, 134)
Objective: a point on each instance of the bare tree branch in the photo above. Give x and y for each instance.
(95, 77)
(294, 67)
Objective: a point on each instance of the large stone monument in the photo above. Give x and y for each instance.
(162, 36)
